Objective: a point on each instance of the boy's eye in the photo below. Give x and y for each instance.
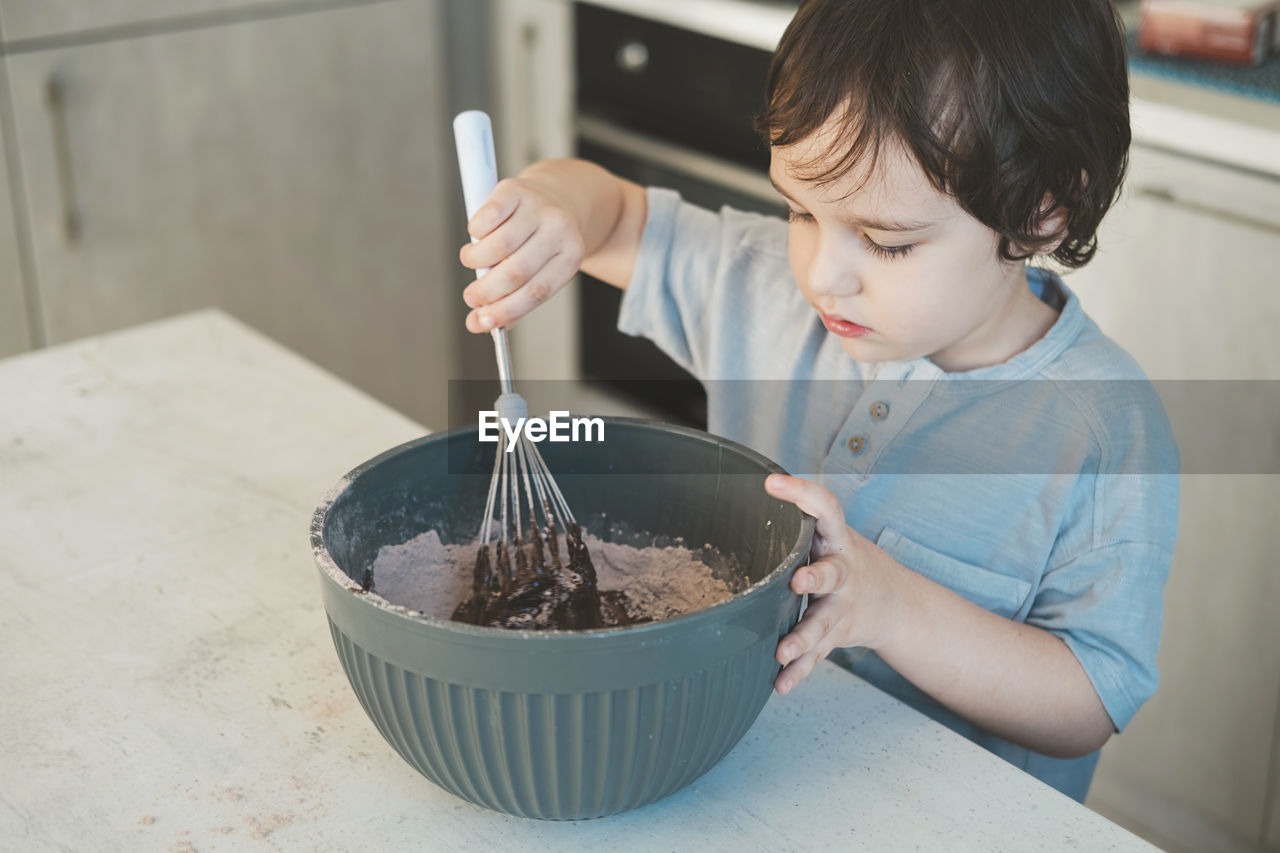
(889, 252)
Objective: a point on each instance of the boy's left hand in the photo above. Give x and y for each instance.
(847, 580)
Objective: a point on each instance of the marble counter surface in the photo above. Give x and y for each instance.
(170, 683)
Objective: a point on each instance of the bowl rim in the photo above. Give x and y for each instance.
(330, 568)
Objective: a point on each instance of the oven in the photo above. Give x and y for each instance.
(662, 105)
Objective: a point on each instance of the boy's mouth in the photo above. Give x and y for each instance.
(842, 327)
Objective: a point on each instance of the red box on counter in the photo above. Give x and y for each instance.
(1240, 32)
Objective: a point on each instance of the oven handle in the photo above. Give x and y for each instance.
(677, 158)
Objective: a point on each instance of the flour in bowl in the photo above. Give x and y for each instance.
(659, 582)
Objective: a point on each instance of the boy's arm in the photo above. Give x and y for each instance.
(537, 230)
(1017, 681)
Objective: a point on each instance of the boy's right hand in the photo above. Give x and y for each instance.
(531, 242)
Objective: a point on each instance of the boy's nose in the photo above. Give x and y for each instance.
(832, 276)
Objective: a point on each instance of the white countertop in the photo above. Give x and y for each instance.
(170, 683)
(1235, 130)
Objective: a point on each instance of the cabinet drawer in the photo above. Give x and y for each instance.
(32, 19)
(1249, 199)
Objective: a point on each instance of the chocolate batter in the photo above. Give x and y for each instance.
(537, 596)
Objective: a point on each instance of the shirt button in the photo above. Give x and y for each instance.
(857, 444)
(880, 410)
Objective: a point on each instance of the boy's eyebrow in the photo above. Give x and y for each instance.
(872, 224)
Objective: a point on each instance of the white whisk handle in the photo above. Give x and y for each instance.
(473, 136)
(478, 165)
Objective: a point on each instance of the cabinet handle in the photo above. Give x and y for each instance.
(529, 35)
(56, 96)
(1168, 196)
(677, 158)
(633, 57)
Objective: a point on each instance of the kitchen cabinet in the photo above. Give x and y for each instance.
(1186, 271)
(15, 336)
(1185, 279)
(290, 170)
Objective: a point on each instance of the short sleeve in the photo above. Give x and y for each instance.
(1103, 591)
(665, 299)
(709, 286)
(1107, 603)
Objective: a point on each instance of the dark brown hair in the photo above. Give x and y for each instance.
(1003, 103)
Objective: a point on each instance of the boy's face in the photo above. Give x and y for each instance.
(897, 269)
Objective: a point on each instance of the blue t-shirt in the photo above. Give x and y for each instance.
(1044, 489)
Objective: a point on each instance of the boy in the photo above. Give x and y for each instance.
(926, 149)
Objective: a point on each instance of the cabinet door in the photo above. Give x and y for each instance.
(27, 19)
(1186, 279)
(290, 171)
(1187, 268)
(14, 335)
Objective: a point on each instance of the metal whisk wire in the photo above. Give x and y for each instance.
(524, 495)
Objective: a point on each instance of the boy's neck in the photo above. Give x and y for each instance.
(1020, 321)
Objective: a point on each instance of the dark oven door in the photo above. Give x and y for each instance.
(662, 106)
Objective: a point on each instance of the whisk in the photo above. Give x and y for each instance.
(514, 585)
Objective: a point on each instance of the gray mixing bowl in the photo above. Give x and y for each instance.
(565, 724)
